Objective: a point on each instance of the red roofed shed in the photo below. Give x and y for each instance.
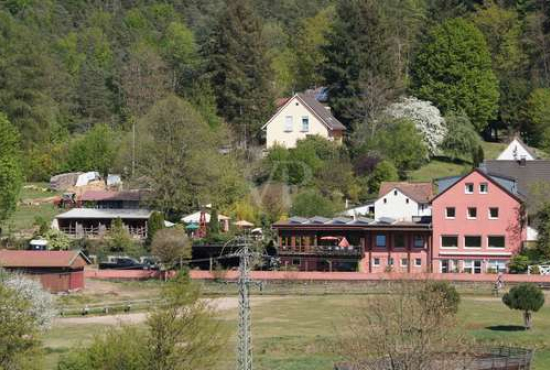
(58, 271)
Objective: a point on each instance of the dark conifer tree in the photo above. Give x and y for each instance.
(239, 69)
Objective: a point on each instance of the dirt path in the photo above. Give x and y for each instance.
(220, 304)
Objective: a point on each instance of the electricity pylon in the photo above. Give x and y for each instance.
(244, 345)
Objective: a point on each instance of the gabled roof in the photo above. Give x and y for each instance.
(420, 192)
(27, 259)
(485, 175)
(319, 110)
(526, 147)
(525, 173)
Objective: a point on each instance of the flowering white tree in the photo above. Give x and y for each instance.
(427, 118)
(41, 304)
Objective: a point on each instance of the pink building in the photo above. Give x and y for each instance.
(476, 223)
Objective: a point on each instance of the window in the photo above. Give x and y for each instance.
(472, 212)
(305, 124)
(468, 266)
(381, 241)
(493, 213)
(407, 200)
(472, 241)
(404, 262)
(390, 261)
(418, 241)
(376, 261)
(296, 262)
(385, 201)
(395, 192)
(496, 241)
(483, 188)
(450, 212)
(448, 241)
(496, 266)
(445, 266)
(399, 241)
(418, 262)
(288, 123)
(469, 188)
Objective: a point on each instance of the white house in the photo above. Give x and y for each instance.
(517, 150)
(301, 116)
(402, 201)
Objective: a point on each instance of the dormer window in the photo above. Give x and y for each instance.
(288, 124)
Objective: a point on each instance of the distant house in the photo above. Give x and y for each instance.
(299, 117)
(58, 271)
(359, 211)
(128, 199)
(476, 222)
(517, 150)
(403, 201)
(92, 222)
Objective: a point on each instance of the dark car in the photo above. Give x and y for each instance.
(123, 263)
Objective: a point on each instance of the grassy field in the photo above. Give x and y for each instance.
(300, 332)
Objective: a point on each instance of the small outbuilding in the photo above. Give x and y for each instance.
(58, 271)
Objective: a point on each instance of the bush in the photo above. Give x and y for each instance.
(518, 264)
(448, 294)
(525, 297)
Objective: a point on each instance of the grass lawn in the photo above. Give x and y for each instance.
(442, 166)
(299, 332)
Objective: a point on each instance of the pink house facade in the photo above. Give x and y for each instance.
(476, 225)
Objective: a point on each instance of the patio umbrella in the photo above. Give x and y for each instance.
(329, 238)
(192, 226)
(244, 223)
(343, 243)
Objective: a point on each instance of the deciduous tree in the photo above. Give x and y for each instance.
(10, 168)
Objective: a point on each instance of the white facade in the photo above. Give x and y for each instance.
(359, 211)
(397, 205)
(516, 151)
(293, 122)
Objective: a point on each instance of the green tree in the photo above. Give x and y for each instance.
(95, 151)
(525, 297)
(384, 171)
(360, 69)
(543, 228)
(156, 223)
(239, 69)
(170, 246)
(519, 264)
(119, 238)
(57, 240)
(453, 70)
(400, 142)
(10, 168)
(309, 203)
(538, 116)
(214, 224)
(461, 140)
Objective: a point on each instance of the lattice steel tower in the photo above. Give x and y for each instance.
(244, 346)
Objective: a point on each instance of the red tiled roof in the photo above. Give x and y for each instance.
(420, 192)
(27, 259)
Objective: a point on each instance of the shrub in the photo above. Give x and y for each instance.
(525, 297)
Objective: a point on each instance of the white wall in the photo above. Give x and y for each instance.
(275, 131)
(532, 234)
(396, 207)
(514, 152)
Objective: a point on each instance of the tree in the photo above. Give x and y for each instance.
(384, 171)
(311, 203)
(181, 334)
(360, 70)
(538, 116)
(525, 297)
(400, 142)
(10, 168)
(57, 240)
(543, 228)
(446, 296)
(119, 238)
(170, 246)
(178, 157)
(519, 264)
(156, 223)
(462, 140)
(239, 69)
(214, 224)
(426, 117)
(408, 328)
(453, 70)
(25, 310)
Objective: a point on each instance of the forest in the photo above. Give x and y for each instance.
(172, 94)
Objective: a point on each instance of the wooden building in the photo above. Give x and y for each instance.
(58, 271)
(361, 244)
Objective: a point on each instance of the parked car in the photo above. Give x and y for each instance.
(124, 263)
